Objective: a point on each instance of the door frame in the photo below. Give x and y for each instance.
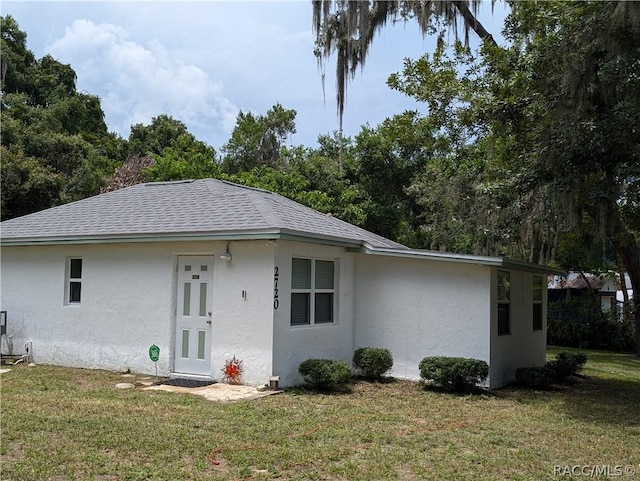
(210, 258)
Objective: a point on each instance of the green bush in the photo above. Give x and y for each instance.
(373, 362)
(581, 322)
(535, 377)
(566, 364)
(325, 374)
(453, 373)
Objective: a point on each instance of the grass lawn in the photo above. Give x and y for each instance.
(73, 424)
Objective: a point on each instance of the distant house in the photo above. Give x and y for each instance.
(575, 285)
(207, 270)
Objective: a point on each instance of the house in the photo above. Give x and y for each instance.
(576, 285)
(207, 270)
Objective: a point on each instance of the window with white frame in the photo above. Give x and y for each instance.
(537, 302)
(504, 303)
(312, 291)
(73, 281)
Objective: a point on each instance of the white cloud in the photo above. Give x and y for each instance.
(202, 61)
(137, 82)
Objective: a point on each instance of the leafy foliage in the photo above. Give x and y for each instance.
(566, 364)
(582, 323)
(326, 374)
(257, 139)
(453, 373)
(53, 137)
(373, 362)
(27, 185)
(535, 377)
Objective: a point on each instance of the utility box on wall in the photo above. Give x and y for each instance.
(3, 322)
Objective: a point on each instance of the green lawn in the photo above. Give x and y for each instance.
(73, 424)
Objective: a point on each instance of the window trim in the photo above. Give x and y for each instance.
(312, 291)
(68, 291)
(503, 330)
(537, 324)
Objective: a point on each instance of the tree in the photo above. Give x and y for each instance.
(131, 172)
(15, 58)
(27, 186)
(56, 147)
(155, 137)
(257, 139)
(348, 28)
(555, 115)
(577, 87)
(184, 158)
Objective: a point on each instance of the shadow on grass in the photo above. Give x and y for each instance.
(346, 389)
(307, 390)
(599, 357)
(468, 391)
(380, 380)
(602, 401)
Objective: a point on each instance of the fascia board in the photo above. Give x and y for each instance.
(120, 239)
(284, 234)
(460, 258)
(534, 268)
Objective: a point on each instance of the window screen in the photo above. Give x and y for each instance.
(312, 291)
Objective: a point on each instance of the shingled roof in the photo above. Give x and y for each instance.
(191, 209)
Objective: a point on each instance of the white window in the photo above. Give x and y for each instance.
(312, 291)
(73, 281)
(504, 303)
(537, 303)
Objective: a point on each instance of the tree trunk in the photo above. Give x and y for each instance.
(630, 254)
(626, 306)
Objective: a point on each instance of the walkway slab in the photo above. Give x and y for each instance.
(219, 392)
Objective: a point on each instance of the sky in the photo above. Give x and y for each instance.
(204, 62)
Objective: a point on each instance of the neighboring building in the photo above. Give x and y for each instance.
(208, 270)
(576, 285)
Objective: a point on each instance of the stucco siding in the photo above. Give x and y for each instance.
(129, 303)
(523, 347)
(294, 344)
(418, 308)
(242, 326)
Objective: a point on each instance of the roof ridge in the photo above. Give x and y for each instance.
(257, 200)
(248, 187)
(264, 209)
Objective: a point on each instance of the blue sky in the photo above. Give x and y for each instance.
(203, 62)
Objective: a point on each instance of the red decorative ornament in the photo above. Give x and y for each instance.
(232, 371)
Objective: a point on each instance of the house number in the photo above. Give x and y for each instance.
(276, 302)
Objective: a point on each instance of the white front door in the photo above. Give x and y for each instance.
(193, 315)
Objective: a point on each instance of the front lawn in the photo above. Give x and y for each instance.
(73, 424)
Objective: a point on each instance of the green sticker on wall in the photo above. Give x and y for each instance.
(154, 353)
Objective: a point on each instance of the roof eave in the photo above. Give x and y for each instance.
(128, 238)
(255, 234)
(490, 261)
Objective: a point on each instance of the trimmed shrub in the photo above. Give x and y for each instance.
(373, 362)
(453, 373)
(566, 364)
(535, 377)
(325, 374)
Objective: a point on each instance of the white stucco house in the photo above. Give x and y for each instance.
(207, 270)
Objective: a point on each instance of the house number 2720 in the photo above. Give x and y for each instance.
(276, 274)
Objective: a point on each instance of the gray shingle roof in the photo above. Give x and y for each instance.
(181, 209)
